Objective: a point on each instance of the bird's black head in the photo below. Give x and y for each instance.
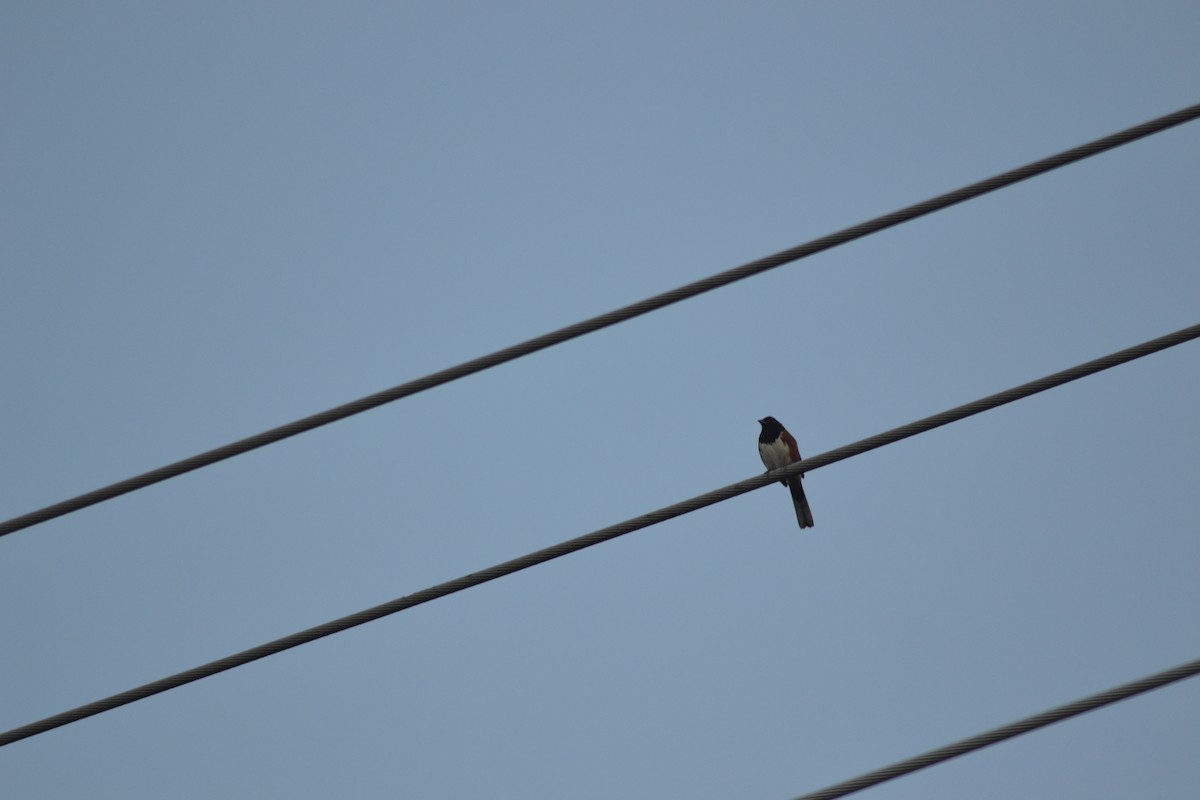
(770, 428)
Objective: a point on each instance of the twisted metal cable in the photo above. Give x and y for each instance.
(597, 323)
(1008, 731)
(595, 537)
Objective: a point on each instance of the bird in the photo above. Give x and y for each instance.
(778, 448)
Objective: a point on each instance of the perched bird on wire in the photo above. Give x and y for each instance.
(778, 448)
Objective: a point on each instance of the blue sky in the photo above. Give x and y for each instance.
(220, 218)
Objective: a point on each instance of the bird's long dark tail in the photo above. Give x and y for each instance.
(803, 512)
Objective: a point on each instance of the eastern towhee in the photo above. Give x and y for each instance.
(778, 448)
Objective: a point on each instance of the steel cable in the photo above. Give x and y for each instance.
(597, 323)
(596, 537)
(995, 735)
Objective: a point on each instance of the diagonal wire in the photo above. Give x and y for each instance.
(597, 323)
(1008, 731)
(595, 537)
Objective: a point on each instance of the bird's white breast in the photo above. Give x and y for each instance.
(775, 455)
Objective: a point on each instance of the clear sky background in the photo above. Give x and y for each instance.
(221, 217)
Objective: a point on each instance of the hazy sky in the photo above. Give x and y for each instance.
(221, 217)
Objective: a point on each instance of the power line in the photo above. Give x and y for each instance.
(1008, 731)
(595, 537)
(597, 323)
